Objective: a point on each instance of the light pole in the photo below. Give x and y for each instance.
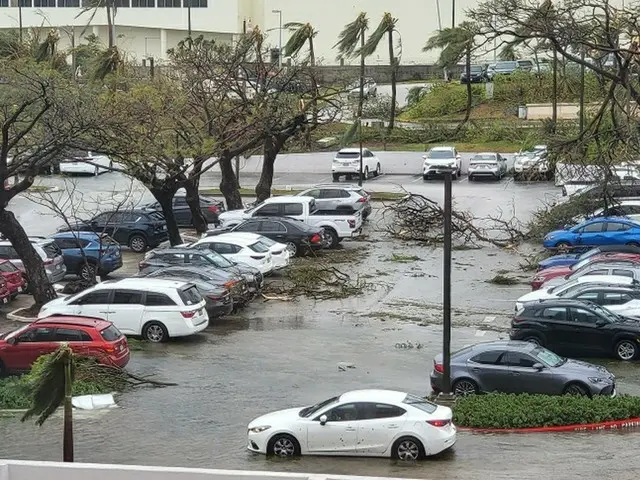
(189, 18)
(279, 12)
(446, 287)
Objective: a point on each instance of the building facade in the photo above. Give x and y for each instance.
(147, 28)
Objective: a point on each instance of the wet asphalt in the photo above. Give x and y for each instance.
(280, 354)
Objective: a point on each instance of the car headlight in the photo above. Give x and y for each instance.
(452, 164)
(260, 429)
(538, 278)
(597, 380)
(250, 277)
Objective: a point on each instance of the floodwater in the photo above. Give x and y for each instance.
(282, 354)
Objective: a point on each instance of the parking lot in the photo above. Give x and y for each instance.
(276, 354)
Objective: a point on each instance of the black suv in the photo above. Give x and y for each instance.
(573, 327)
(138, 229)
(210, 209)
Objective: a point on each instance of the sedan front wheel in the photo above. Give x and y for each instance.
(626, 350)
(283, 446)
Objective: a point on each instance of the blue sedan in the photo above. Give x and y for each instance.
(595, 232)
(568, 259)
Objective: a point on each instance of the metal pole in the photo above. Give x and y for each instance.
(20, 19)
(582, 91)
(453, 13)
(238, 170)
(189, 18)
(446, 288)
(280, 43)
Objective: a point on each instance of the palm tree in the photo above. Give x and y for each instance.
(351, 43)
(52, 388)
(387, 26)
(455, 43)
(94, 6)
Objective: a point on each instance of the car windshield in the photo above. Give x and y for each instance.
(348, 155)
(589, 253)
(580, 264)
(547, 357)
(564, 288)
(111, 333)
(484, 157)
(476, 69)
(440, 154)
(259, 247)
(605, 312)
(14, 333)
(8, 267)
(309, 411)
(218, 260)
(420, 403)
(267, 241)
(506, 65)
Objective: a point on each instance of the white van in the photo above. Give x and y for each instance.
(155, 309)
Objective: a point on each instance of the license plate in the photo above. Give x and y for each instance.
(346, 164)
(20, 289)
(5, 300)
(57, 267)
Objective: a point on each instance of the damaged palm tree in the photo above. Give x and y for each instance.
(419, 218)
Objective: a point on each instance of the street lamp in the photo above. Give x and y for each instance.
(446, 287)
(279, 12)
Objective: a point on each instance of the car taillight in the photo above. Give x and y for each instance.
(352, 223)
(439, 423)
(231, 284)
(517, 319)
(215, 297)
(362, 200)
(48, 261)
(212, 209)
(316, 238)
(189, 314)
(142, 265)
(110, 349)
(438, 367)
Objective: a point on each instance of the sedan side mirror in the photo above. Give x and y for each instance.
(12, 340)
(538, 366)
(323, 420)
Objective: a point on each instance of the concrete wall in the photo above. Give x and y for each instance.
(566, 111)
(22, 470)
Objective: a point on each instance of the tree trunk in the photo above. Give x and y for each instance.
(554, 92)
(392, 62)
(467, 113)
(314, 105)
(110, 26)
(193, 200)
(67, 438)
(361, 102)
(272, 147)
(39, 283)
(165, 199)
(229, 184)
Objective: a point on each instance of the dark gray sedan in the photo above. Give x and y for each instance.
(520, 367)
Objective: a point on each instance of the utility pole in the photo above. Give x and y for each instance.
(453, 13)
(279, 12)
(20, 19)
(189, 18)
(582, 90)
(446, 288)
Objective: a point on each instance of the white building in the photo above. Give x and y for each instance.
(147, 28)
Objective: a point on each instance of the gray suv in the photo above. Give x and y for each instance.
(47, 249)
(520, 367)
(487, 165)
(344, 197)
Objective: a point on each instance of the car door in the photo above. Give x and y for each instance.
(589, 337)
(523, 378)
(378, 425)
(329, 199)
(591, 234)
(485, 369)
(617, 233)
(105, 222)
(91, 304)
(30, 344)
(181, 211)
(555, 326)
(274, 230)
(339, 435)
(316, 193)
(126, 311)
(79, 341)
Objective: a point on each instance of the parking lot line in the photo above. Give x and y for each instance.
(417, 179)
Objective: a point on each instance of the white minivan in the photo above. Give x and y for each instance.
(155, 309)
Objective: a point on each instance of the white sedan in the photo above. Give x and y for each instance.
(280, 253)
(91, 164)
(370, 423)
(567, 288)
(239, 247)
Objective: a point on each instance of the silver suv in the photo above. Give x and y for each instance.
(47, 249)
(344, 197)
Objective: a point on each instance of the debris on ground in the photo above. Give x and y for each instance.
(501, 279)
(409, 345)
(344, 366)
(400, 258)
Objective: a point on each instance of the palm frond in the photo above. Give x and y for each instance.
(350, 133)
(387, 25)
(293, 25)
(349, 38)
(107, 62)
(453, 42)
(48, 391)
(296, 41)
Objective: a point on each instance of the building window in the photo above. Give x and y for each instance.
(195, 3)
(121, 3)
(4, 3)
(143, 3)
(169, 3)
(44, 3)
(68, 3)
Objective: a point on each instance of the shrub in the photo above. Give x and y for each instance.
(444, 99)
(378, 107)
(499, 410)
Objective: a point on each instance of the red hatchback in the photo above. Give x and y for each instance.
(86, 336)
(16, 282)
(564, 271)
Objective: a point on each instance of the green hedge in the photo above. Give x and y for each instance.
(443, 99)
(499, 410)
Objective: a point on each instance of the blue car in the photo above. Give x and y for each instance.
(569, 259)
(595, 232)
(103, 254)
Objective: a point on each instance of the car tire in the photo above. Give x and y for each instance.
(465, 386)
(283, 445)
(535, 339)
(88, 271)
(377, 170)
(138, 243)
(293, 249)
(626, 350)
(425, 178)
(155, 332)
(3, 370)
(96, 171)
(365, 174)
(576, 388)
(336, 177)
(563, 246)
(334, 240)
(471, 178)
(407, 449)
(458, 173)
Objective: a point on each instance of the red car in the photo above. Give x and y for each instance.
(16, 282)
(5, 293)
(87, 336)
(564, 271)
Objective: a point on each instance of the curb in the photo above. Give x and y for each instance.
(587, 427)
(19, 318)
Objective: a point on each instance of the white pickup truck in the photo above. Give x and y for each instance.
(336, 226)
